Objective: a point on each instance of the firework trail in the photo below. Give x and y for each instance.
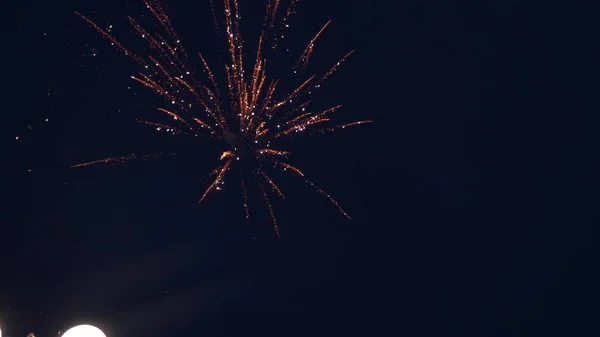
(248, 111)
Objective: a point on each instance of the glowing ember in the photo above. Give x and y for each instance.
(253, 114)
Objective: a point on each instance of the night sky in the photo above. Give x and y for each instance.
(472, 195)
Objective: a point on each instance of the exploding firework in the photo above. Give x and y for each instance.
(248, 111)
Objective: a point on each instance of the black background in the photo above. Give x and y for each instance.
(473, 195)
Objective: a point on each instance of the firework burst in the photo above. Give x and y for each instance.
(249, 112)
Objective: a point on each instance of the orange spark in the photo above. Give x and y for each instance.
(256, 114)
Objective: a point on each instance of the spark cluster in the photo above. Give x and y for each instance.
(248, 111)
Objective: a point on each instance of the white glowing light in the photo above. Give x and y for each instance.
(83, 331)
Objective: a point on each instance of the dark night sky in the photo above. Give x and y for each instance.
(473, 195)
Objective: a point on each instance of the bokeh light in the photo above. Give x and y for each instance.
(83, 331)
